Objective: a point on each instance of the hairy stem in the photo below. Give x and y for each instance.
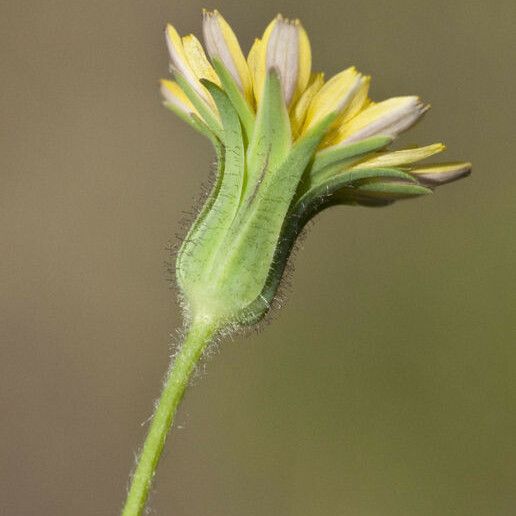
(198, 336)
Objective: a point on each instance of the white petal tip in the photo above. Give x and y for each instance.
(437, 175)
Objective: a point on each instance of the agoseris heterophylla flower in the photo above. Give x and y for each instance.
(288, 145)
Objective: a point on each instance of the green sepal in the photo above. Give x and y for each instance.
(257, 250)
(347, 178)
(199, 250)
(205, 130)
(193, 121)
(225, 262)
(305, 208)
(236, 97)
(343, 198)
(201, 106)
(391, 189)
(271, 139)
(354, 176)
(199, 226)
(342, 155)
(185, 117)
(378, 193)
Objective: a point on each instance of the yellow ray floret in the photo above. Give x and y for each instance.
(388, 118)
(197, 59)
(298, 113)
(305, 60)
(175, 96)
(433, 175)
(401, 157)
(284, 47)
(222, 44)
(256, 66)
(256, 60)
(338, 95)
(180, 62)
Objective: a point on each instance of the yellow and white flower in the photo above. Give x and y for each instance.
(288, 145)
(285, 48)
(353, 132)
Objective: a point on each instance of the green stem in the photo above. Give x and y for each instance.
(198, 336)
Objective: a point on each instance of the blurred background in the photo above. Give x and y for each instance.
(386, 385)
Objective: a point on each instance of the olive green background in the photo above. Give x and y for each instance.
(385, 386)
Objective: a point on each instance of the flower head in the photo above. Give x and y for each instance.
(289, 144)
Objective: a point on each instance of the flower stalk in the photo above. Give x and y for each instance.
(198, 336)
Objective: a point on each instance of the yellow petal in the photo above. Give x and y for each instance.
(283, 56)
(173, 94)
(336, 95)
(197, 59)
(181, 64)
(288, 52)
(298, 113)
(359, 101)
(388, 118)
(222, 43)
(402, 157)
(257, 59)
(305, 61)
(434, 175)
(179, 59)
(253, 63)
